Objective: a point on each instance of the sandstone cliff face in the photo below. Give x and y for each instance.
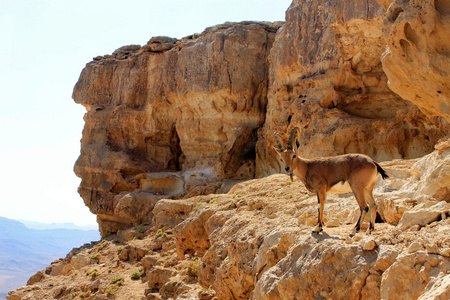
(255, 242)
(176, 118)
(172, 126)
(192, 105)
(327, 77)
(417, 59)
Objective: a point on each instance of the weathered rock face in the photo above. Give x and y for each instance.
(255, 242)
(327, 77)
(261, 247)
(417, 59)
(191, 106)
(174, 118)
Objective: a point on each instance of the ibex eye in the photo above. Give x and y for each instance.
(293, 156)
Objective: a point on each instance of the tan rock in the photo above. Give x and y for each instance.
(273, 249)
(36, 277)
(432, 248)
(445, 252)
(338, 95)
(169, 213)
(411, 275)
(440, 289)
(423, 216)
(158, 276)
(386, 257)
(79, 261)
(416, 32)
(368, 244)
(195, 106)
(297, 276)
(61, 268)
(414, 247)
(192, 236)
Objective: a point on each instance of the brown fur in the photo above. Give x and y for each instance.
(320, 175)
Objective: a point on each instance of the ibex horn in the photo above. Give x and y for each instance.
(290, 142)
(280, 146)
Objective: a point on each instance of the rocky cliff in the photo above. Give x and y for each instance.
(255, 242)
(176, 128)
(176, 118)
(171, 117)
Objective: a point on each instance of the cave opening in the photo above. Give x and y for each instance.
(176, 162)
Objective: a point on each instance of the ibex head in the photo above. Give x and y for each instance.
(290, 154)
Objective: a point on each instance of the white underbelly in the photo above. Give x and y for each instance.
(340, 188)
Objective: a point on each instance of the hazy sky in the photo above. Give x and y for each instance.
(44, 45)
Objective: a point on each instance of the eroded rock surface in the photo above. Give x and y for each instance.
(255, 242)
(191, 107)
(175, 118)
(417, 58)
(188, 118)
(326, 76)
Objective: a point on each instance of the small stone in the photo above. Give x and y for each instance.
(445, 252)
(357, 238)
(432, 224)
(414, 228)
(414, 247)
(369, 244)
(333, 223)
(432, 249)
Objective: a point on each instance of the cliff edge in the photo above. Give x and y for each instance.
(177, 161)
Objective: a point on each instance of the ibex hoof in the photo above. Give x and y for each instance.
(317, 230)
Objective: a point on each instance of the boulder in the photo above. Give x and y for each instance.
(423, 214)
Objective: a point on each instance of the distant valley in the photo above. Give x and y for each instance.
(26, 250)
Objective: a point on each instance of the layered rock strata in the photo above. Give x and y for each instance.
(178, 118)
(255, 242)
(191, 107)
(326, 76)
(417, 57)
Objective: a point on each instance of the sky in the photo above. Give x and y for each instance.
(44, 46)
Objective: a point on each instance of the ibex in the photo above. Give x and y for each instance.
(338, 174)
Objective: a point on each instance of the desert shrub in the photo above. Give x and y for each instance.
(95, 256)
(135, 275)
(192, 268)
(74, 274)
(93, 273)
(112, 289)
(160, 233)
(118, 280)
(84, 294)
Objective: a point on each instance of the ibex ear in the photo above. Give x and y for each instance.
(296, 145)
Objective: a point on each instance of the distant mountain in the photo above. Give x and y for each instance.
(24, 251)
(39, 225)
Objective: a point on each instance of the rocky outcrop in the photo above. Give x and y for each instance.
(177, 118)
(326, 76)
(173, 126)
(255, 242)
(417, 57)
(191, 107)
